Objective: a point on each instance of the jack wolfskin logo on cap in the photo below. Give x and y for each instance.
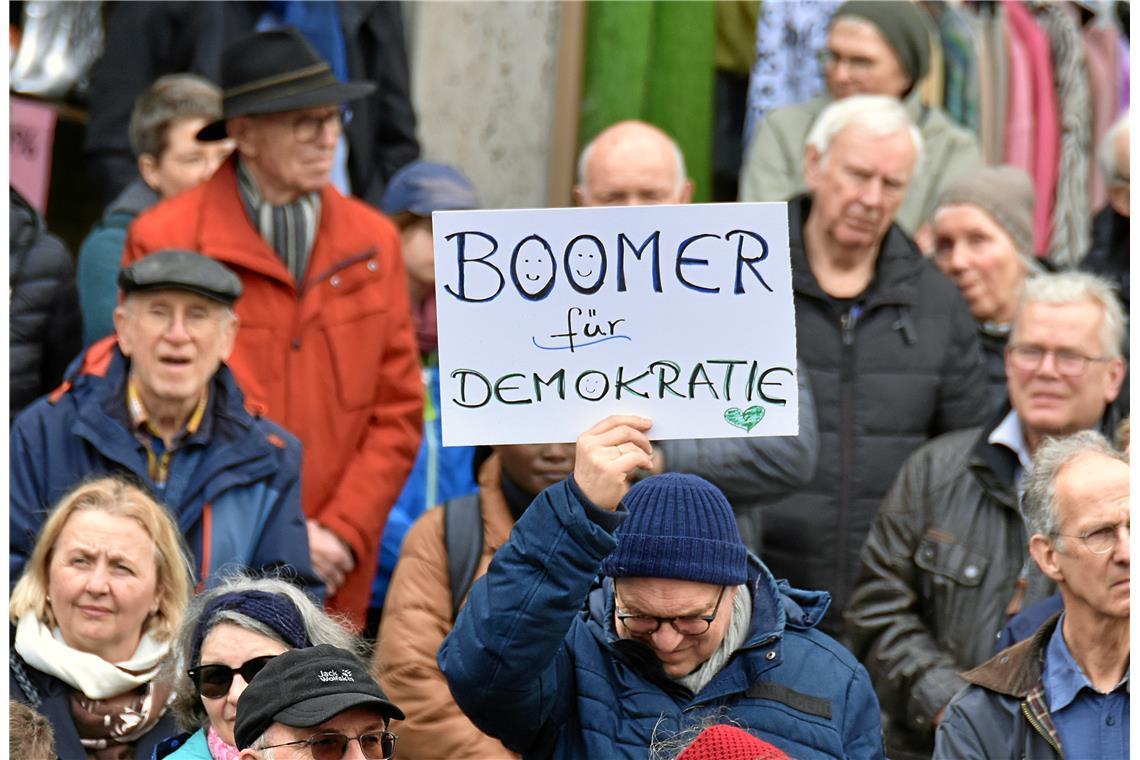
(333, 675)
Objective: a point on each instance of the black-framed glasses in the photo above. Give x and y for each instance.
(692, 625)
(1102, 540)
(1028, 357)
(213, 681)
(374, 745)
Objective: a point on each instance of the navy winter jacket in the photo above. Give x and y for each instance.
(535, 666)
(233, 486)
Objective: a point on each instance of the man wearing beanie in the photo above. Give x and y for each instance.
(982, 227)
(873, 48)
(685, 624)
(946, 562)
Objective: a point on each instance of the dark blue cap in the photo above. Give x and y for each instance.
(422, 187)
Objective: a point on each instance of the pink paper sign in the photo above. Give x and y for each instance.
(31, 132)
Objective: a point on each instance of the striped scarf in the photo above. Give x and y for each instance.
(288, 229)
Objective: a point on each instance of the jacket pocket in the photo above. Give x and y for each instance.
(357, 348)
(950, 562)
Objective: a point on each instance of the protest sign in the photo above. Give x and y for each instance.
(551, 319)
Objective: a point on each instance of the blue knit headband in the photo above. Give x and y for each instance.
(273, 610)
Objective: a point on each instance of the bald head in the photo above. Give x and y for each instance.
(632, 164)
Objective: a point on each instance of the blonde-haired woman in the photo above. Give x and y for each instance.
(93, 616)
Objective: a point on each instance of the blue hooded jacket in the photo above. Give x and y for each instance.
(233, 485)
(535, 664)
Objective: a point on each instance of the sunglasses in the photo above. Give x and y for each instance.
(375, 745)
(213, 681)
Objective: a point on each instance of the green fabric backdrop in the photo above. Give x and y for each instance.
(653, 61)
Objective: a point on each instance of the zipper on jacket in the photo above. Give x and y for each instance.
(847, 324)
(1039, 728)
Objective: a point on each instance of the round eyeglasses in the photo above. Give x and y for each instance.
(1102, 540)
(690, 625)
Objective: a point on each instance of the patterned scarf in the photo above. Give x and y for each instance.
(112, 704)
(288, 229)
(219, 750)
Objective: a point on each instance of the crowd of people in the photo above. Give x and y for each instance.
(235, 532)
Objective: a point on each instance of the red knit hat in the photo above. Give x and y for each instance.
(724, 742)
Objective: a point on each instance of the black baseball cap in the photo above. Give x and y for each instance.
(306, 687)
(181, 270)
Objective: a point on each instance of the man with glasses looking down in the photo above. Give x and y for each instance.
(686, 624)
(326, 346)
(946, 563)
(315, 703)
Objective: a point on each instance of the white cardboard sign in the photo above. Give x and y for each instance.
(551, 319)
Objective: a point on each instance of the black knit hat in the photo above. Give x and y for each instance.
(680, 526)
(274, 71)
(306, 687)
(904, 27)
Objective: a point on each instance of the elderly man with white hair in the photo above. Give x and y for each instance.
(890, 346)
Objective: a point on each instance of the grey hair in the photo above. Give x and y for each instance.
(319, 627)
(678, 157)
(1039, 500)
(1073, 287)
(879, 115)
(1106, 152)
(261, 743)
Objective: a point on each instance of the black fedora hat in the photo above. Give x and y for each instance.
(273, 71)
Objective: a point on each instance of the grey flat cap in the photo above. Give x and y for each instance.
(182, 270)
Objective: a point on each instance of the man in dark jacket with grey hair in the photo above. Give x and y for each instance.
(946, 562)
(889, 344)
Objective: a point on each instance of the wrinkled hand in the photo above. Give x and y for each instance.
(331, 557)
(608, 454)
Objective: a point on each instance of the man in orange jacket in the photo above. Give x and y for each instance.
(325, 345)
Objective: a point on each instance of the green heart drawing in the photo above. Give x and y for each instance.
(745, 420)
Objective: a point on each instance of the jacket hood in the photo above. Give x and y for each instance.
(136, 198)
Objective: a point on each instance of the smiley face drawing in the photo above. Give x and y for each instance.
(592, 385)
(533, 267)
(585, 265)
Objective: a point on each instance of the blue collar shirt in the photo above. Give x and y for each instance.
(1089, 723)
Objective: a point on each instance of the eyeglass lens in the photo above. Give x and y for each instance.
(214, 681)
(378, 745)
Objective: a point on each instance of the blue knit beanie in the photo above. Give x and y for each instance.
(679, 526)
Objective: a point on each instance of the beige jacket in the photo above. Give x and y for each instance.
(417, 617)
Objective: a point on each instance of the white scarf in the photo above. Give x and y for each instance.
(733, 638)
(88, 673)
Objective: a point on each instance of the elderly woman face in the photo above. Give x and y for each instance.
(230, 647)
(980, 257)
(103, 583)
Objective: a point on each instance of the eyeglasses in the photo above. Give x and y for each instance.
(213, 681)
(693, 625)
(1102, 540)
(375, 745)
(1069, 363)
(307, 128)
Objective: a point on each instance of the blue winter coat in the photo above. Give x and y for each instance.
(530, 666)
(233, 486)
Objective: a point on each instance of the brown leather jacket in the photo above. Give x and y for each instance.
(417, 617)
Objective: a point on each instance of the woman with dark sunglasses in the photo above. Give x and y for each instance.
(228, 635)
